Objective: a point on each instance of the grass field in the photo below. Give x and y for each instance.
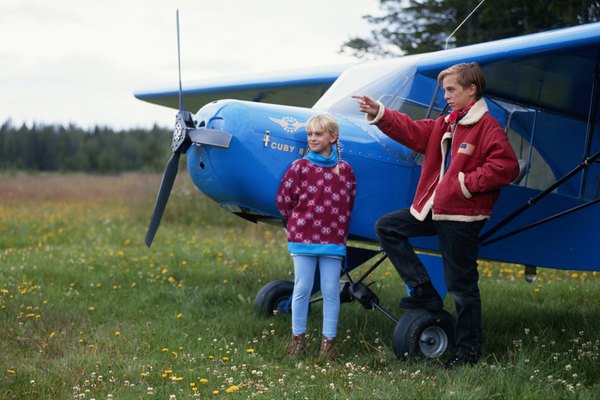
(88, 312)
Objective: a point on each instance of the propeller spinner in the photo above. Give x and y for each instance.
(184, 134)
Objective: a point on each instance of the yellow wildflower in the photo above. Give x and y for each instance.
(232, 389)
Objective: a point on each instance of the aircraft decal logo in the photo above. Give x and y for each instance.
(289, 124)
(466, 148)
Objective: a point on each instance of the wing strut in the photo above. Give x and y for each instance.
(542, 221)
(591, 123)
(583, 165)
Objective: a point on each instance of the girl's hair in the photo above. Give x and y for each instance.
(326, 123)
(323, 122)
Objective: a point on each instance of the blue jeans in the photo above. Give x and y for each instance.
(459, 245)
(304, 274)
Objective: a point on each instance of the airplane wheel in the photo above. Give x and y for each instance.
(425, 334)
(273, 298)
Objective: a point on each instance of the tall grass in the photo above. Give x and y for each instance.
(88, 312)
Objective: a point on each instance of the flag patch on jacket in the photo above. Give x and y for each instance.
(466, 148)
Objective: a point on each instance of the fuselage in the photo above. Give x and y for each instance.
(268, 138)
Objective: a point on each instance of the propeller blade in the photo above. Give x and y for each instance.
(210, 137)
(181, 106)
(163, 196)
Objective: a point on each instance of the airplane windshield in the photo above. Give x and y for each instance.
(392, 81)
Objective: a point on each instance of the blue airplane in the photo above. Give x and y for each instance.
(543, 88)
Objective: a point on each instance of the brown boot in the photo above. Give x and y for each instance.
(327, 351)
(297, 346)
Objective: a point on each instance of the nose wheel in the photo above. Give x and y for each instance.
(275, 298)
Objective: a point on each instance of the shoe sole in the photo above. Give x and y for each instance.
(428, 307)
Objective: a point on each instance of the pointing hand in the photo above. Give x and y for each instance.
(367, 105)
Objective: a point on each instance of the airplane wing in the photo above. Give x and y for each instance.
(300, 87)
(553, 70)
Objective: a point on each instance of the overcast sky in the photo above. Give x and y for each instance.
(80, 61)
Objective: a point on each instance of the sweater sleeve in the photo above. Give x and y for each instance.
(287, 194)
(352, 189)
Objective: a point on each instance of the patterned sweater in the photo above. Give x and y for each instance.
(316, 204)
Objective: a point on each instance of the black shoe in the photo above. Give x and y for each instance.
(423, 296)
(458, 361)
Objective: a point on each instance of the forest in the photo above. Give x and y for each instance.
(101, 150)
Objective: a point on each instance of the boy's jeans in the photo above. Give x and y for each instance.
(459, 245)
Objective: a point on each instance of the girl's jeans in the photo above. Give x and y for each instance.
(304, 272)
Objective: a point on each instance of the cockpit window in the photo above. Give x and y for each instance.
(552, 145)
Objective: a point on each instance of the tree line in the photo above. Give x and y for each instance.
(72, 149)
(403, 27)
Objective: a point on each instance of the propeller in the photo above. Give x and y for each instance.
(184, 134)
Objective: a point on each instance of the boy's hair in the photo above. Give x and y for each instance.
(467, 74)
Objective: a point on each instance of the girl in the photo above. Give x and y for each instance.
(315, 198)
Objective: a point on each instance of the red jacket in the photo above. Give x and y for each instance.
(482, 162)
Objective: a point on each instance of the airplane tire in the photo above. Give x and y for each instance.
(273, 298)
(423, 334)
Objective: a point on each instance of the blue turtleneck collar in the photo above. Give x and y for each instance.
(323, 161)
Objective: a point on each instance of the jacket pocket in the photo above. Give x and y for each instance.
(463, 187)
(449, 195)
